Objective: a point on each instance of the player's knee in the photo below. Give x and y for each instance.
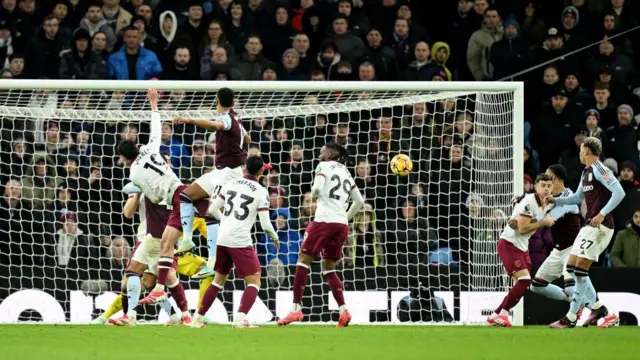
(148, 281)
(254, 280)
(328, 265)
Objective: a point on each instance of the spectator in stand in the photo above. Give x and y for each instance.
(238, 26)
(480, 43)
(358, 23)
(592, 122)
(622, 140)
(215, 38)
(570, 158)
(94, 23)
(421, 68)
(511, 54)
(623, 11)
(464, 23)
(626, 247)
(220, 63)
(367, 72)
(553, 48)
(290, 241)
(72, 250)
(61, 12)
(182, 68)
(252, 62)
(611, 28)
(117, 18)
(401, 42)
(6, 45)
(115, 258)
(419, 32)
(533, 29)
(579, 98)
(297, 172)
(147, 40)
(99, 45)
(278, 37)
(80, 62)
(302, 46)
(290, 69)
(631, 186)
(308, 207)
(195, 168)
(170, 37)
(364, 245)
(133, 62)
(381, 56)
(530, 164)
(606, 109)
(15, 217)
(40, 182)
(43, 53)
(16, 65)
(620, 66)
(15, 163)
(349, 45)
(440, 56)
(328, 59)
(171, 145)
(574, 39)
(408, 238)
(194, 27)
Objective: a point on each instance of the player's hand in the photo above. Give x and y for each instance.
(548, 221)
(182, 120)
(276, 241)
(597, 220)
(513, 223)
(550, 199)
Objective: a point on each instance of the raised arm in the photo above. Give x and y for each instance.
(612, 184)
(155, 136)
(575, 199)
(559, 211)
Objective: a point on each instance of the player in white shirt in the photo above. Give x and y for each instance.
(242, 200)
(513, 246)
(333, 186)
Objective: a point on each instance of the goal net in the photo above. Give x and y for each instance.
(423, 250)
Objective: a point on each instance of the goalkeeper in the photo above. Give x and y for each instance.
(188, 264)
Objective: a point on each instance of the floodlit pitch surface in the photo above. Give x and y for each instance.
(49, 342)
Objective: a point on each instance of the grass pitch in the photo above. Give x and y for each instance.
(315, 342)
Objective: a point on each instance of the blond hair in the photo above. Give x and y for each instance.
(594, 145)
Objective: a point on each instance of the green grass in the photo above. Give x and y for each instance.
(315, 342)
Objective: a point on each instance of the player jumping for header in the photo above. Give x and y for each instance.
(159, 184)
(333, 186)
(242, 200)
(602, 192)
(513, 246)
(231, 156)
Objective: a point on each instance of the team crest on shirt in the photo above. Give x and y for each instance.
(517, 263)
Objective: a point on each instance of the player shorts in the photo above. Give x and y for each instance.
(174, 218)
(325, 238)
(148, 252)
(555, 265)
(213, 181)
(591, 242)
(245, 260)
(513, 258)
(189, 264)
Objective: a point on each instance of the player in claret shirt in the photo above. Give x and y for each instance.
(513, 246)
(333, 186)
(601, 192)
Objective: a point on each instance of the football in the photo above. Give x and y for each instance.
(401, 165)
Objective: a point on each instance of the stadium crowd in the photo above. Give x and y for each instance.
(62, 200)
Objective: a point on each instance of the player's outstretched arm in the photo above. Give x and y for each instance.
(575, 199)
(222, 122)
(214, 207)
(358, 202)
(559, 211)
(156, 124)
(267, 227)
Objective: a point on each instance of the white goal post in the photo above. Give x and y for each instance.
(426, 243)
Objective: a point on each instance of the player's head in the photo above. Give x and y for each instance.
(225, 98)
(128, 151)
(590, 150)
(254, 166)
(333, 152)
(544, 185)
(558, 174)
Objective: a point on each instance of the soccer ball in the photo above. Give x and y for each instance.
(401, 165)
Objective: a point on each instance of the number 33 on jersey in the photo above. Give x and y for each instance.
(333, 199)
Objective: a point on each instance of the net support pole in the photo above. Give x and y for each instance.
(518, 168)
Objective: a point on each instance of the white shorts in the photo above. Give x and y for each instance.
(213, 181)
(591, 242)
(555, 265)
(148, 253)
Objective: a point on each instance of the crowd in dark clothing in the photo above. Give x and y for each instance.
(62, 201)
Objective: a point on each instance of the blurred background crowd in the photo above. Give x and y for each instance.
(62, 200)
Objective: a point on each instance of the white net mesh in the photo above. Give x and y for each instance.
(430, 236)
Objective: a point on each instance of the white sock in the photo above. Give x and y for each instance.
(596, 305)
(504, 312)
(571, 316)
(342, 309)
(296, 308)
(240, 317)
(493, 315)
(131, 314)
(199, 318)
(211, 262)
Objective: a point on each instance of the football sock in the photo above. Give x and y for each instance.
(166, 306)
(115, 306)
(164, 265)
(335, 285)
(248, 298)
(212, 243)
(569, 288)
(208, 298)
(186, 216)
(579, 293)
(542, 287)
(204, 285)
(300, 282)
(133, 291)
(516, 292)
(177, 292)
(590, 298)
